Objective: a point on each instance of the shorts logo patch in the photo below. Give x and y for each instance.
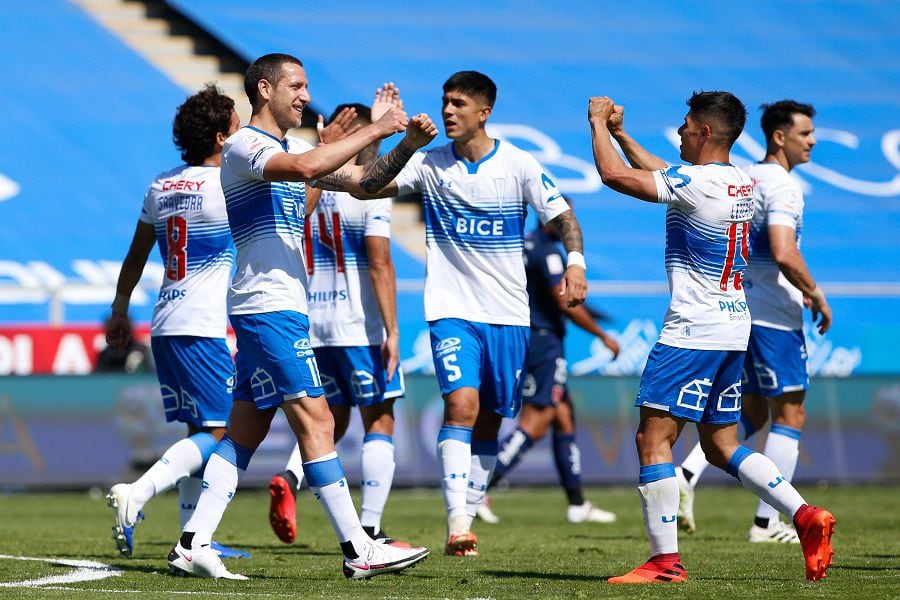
(694, 394)
(447, 345)
(364, 384)
(730, 399)
(303, 347)
(262, 384)
(766, 377)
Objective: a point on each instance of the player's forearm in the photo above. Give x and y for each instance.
(793, 267)
(384, 285)
(581, 318)
(569, 232)
(636, 154)
(328, 160)
(610, 165)
(383, 170)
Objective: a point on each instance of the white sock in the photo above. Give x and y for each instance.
(180, 460)
(659, 501)
(759, 475)
(189, 490)
(479, 476)
(782, 448)
(377, 477)
(295, 465)
(220, 480)
(695, 463)
(326, 480)
(455, 457)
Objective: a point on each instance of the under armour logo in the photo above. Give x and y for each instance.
(666, 519)
(776, 483)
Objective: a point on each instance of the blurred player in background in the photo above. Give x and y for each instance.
(545, 398)
(693, 373)
(354, 332)
(184, 213)
(476, 192)
(263, 179)
(777, 285)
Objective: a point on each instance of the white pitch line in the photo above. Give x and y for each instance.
(85, 570)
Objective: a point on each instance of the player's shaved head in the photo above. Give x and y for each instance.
(723, 112)
(780, 115)
(472, 84)
(268, 67)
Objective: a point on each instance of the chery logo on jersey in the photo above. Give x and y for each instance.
(447, 345)
(740, 191)
(182, 184)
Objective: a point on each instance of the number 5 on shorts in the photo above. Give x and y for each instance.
(453, 371)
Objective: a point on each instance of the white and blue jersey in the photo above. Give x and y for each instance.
(475, 218)
(707, 238)
(186, 208)
(773, 300)
(343, 307)
(266, 219)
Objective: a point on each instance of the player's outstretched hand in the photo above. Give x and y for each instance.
(393, 121)
(386, 97)
(344, 124)
(421, 131)
(600, 108)
(573, 286)
(118, 331)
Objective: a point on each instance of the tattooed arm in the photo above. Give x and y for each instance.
(375, 179)
(573, 286)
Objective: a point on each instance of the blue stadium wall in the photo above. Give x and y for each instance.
(89, 123)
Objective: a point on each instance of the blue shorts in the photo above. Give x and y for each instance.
(353, 376)
(775, 362)
(195, 375)
(547, 372)
(275, 361)
(489, 358)
(703, 386)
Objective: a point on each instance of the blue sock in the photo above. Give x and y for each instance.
(512, 448)
(568, 465)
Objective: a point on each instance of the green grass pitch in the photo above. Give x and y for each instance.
(532, 553)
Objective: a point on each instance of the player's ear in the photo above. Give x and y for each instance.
(485, 113)
(264, 88)
(778, 137)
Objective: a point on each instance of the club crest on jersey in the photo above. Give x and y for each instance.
(447, 345)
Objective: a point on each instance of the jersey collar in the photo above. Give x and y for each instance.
(472, 167)
(283, 143)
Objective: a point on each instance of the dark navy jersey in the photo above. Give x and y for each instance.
(544, 268)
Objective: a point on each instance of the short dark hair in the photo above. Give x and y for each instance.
(723, 107)
(779, 115)
(473, 83)
(197, 122)
(266, 67)
(362, 111)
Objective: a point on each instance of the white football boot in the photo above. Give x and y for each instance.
(199, 562)
(685, 502)
(588, 513)
(377, 559)
(778, 532)
(126, 517)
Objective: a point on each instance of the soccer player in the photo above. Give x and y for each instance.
(693, 373)
(777, 284)
(354, 333)
(545, 399)
(184, 213)
(263, 179)
(476, 191)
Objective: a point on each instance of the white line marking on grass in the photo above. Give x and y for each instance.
(85, 570)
